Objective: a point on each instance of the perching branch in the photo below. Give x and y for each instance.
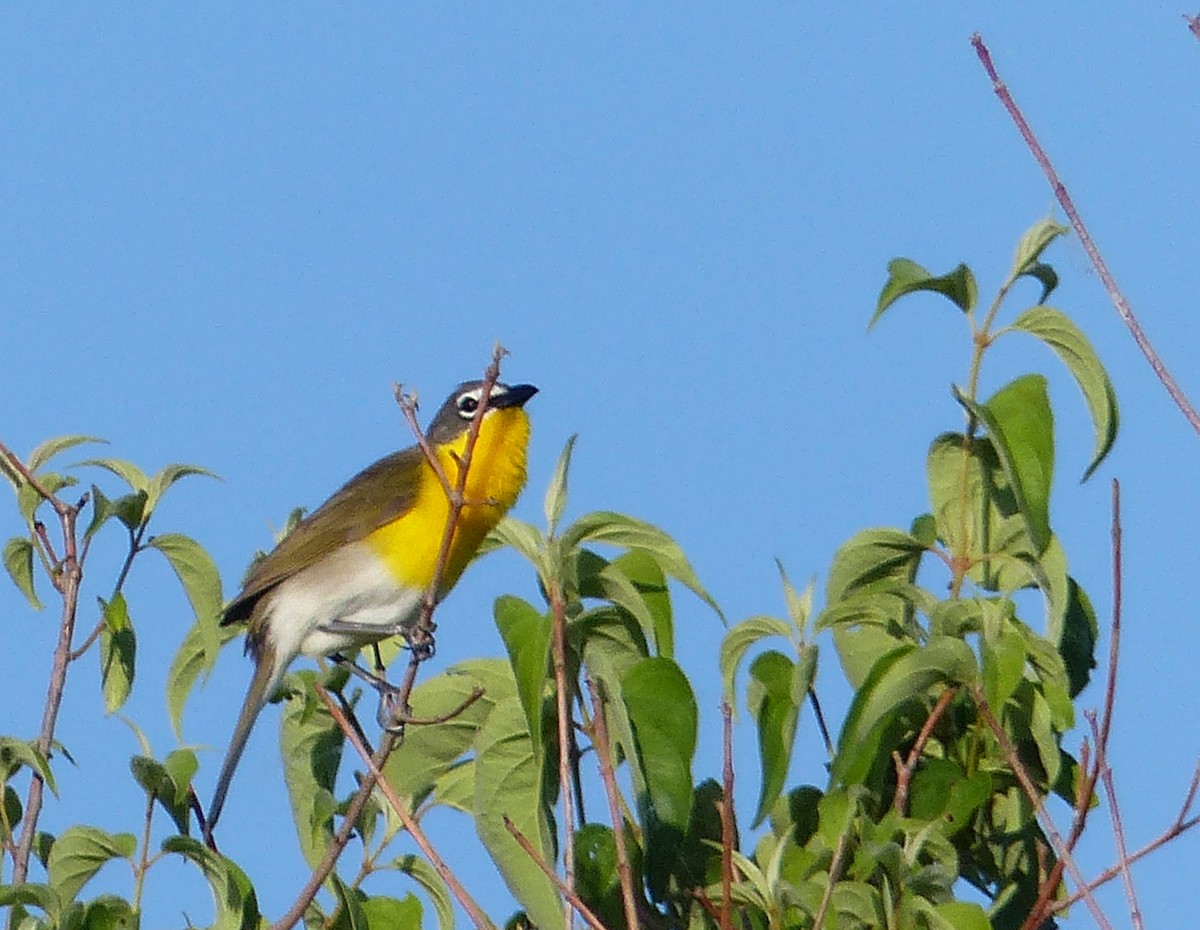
(419, 652)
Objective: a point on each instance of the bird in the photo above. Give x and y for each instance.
(356, 570)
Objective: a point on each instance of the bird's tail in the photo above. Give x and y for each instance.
(266, 676)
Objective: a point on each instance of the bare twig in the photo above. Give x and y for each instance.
(727, 826)
(906, 767)
(1114, 643)
(478, 917)
(604, 756)
(569, 893)
(1085, 238)
(1061, 848)
(1106, 778)
(835, 873)
(425, 623)
(1193, 24)
(67, 579)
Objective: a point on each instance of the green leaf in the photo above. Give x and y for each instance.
(427, 877)
(18, 562)
(871, 556)
(233, 895)
(739, 640)
(52, 447)
(393, 913)
(962, 915)
(29, 500)
(907, 277)
(524, 537)
(635, 582)
(1046, 275)
(118, 652)
(36, 895)
(110, 912)
(159, 784)
(16, 753)
(556, 494)
(616, 529)
(1021, 424)
(1058, 332)
(508, 784)
(526, 634)
(906, 675)
(428, 754)
(1003, 654)
(168, 476)
(196, 571)
(970, 475)
(80, 852)
(799, 605)
(192, 659)
(310, 744)
(776, 713)
(662, 712)
(130, 473)
(1033, 243)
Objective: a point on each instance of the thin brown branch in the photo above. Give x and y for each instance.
(1061, 849)
(728, 838)
(563, 717)
(1085, 238)
(604, 755)
(1110, 791)
(68, 580)
(569, 893)
(835, 873)
(61, 507)
(906, 768)
(478, 917)
(418, 653)
(1114, 642)
(1193, 24)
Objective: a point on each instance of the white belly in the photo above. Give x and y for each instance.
(351, 586)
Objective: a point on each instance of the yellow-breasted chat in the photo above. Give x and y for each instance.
(355, 571)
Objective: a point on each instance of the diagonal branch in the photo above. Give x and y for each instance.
(425, 624)
(1085, 238)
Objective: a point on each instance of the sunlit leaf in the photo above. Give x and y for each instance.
(130, 473)
(907, 277)
(310, 744)
(739, 639)
(197, 573)
(233, 895)
(776, 714)
(118, 652)
(526, 634)
(556, 494)
(80, 852)
(52, 447)
(662, 711)
(427, 877)
(1058, 332)
(16, 753)
(18, 562)
(905, 675)
(508, 783)
(1033, 243)
(619, 530)
(1020, 422)
(193, 659)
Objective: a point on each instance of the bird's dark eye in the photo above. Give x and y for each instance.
(468, 404)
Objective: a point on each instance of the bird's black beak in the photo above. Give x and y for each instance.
(515, 396)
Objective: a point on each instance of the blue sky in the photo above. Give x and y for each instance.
(227, 231)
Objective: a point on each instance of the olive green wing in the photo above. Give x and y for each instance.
(374, 497)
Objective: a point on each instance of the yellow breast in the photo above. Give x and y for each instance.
(409, 546)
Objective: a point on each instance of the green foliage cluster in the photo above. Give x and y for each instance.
(954, 736)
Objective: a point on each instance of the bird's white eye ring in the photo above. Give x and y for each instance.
(468, 401)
